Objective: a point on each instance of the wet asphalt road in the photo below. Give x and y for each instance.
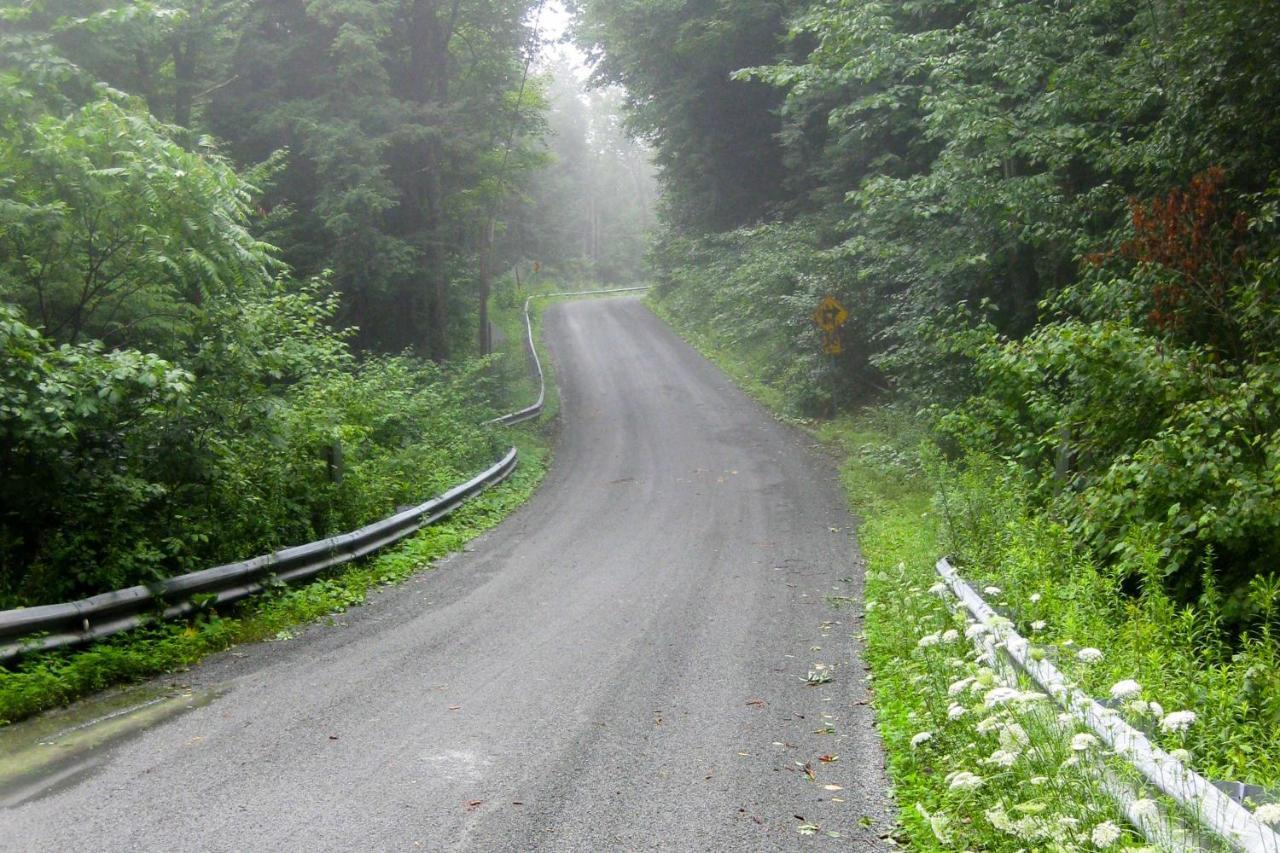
(618, 666)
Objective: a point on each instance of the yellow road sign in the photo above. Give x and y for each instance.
(831, 344)
(830, 314)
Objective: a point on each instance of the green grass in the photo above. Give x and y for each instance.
(1035, 792)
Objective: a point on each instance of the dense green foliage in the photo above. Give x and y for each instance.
(229, 233)
(1054, 226)
(1057, 225)
(403, 125)
(41, 681)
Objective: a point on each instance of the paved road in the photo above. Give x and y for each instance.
(619, 666)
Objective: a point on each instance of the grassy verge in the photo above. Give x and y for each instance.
(39, 682)
(977, 761)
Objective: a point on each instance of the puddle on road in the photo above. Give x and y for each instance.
(57, 750)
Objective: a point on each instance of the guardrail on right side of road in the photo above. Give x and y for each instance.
(1196, 797)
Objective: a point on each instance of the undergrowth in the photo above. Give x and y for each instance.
(978, 761)
(42, 681)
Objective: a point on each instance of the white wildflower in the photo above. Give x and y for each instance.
(950, 636)
(1268, 813)
(1039, 625)
(869, 606)
(975, 630)
(1138, 707)
(1072, 760)
(921, 738)
(1089, 655)
(1105, 834)
(1038, 780)
(957, 687)
(988, 725)
(1035, 598)
(1157, 710)
(1083, 742)
(964, 781)
(928, 640)
(997, 817)
(1126, 689)
(1065, 719)
(1001, 758)
(1144, 809)
(1183, 755)
(1014, 737)
(939, 589)
(955, 712)
(1178, 721)
(941, 824)
(999, 696)
(992, 590)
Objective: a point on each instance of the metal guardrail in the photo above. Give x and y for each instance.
(55, 626)
(75, 622)
(1195, 795)
(533, 411)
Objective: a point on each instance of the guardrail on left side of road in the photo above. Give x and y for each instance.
(70, 623)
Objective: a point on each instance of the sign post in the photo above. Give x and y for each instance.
(829, 316)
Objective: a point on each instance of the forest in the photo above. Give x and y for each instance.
(246, 252)
(249, 254)
(1054, 227)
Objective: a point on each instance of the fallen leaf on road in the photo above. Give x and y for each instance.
(454, 707)
(828, 759)
(760, 702)
(832, 788)
(472, 805)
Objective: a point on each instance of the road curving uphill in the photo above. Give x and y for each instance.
(636, 659)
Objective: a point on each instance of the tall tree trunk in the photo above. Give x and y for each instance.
(184, 78)
(432, 27)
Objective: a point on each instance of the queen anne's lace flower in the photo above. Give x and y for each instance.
(1000, 695)
(955, 712)
(1083, 742)
(1127, 689)
(1178, 721)
(1089, 655)
(1105, 834)
(1039, 625)
(992, 590)
(920, 738)
(1144, 809)
(964, 781)
(1268, 813)
(950, 635)
(1001, 758)
(1035, 598)
(928, 640)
